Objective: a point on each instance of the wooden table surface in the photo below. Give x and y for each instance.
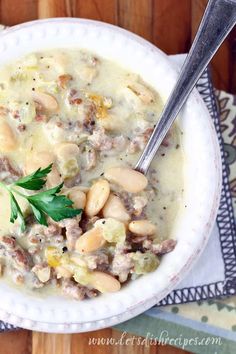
(171, 25)
(27, 342)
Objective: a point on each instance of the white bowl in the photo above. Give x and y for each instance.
(202, 172)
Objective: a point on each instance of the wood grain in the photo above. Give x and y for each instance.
(136, 16)
(53, 8)
(224, 63)
(82, 343)
(172, 25)
(169, 24)
(18, 342)
(231, 86)
(44, 343)
(13, 12)
(101, 10)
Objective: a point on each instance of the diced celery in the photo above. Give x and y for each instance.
(32, 68)
(19, 76)
(113, 230)
(69, 168)
(82, 275)
(144, 262)
(27, 113)
(53, 88)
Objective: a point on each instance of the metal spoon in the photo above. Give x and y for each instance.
(218, 20)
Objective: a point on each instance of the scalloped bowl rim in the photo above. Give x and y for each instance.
(202, 173)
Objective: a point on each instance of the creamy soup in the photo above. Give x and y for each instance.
(90, 119)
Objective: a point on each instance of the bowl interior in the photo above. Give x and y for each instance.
(201, 179)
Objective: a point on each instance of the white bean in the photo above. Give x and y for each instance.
(111, 122)
(144, 94)
(66, 151)
(130, 180)
(8, 140)
(38, 159)
(142, 227)
(83, 188)
(63, 272)
(77, 259)
(48, 101)
(104, 282)
(97, 197)
(78, 197)
(53, 178)
(67, 155)
(43, 273)
(90, 241)
(87, 73)
(114, 208)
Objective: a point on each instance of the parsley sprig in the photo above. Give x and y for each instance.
(43, 204)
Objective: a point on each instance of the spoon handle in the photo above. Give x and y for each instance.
(218, 20)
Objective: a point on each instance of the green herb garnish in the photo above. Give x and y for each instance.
(43, 204)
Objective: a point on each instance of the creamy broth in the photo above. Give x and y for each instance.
(85, 115)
